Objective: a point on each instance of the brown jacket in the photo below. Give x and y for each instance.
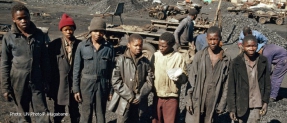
(123, 79)
(62, 71)
(196, 77)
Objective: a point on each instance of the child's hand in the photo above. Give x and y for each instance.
(135, 101)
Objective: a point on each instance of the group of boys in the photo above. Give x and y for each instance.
(86, 74)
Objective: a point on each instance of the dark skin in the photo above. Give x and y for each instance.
(97, 36)
(135, 47)
(164, 47)
(249, 49)
(22, 21)
(215, 52)
(68, 33)
(245, 34)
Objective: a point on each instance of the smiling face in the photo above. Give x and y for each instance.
(213, 40)
(97, 35)
(135, 46)
(249, 47)
(21, 19)
(68, 31)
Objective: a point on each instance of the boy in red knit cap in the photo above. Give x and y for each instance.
(62, 51)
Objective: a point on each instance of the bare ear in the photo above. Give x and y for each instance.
(129, 45)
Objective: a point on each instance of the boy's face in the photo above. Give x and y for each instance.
(21, 19)
(249, 47)
(97, 35)
(164, 47)
(213, 40)
(68, 31)
(135, 46)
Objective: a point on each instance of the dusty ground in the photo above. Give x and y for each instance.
(277, 112)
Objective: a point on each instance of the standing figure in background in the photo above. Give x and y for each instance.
(92, 72)
(62, 53)
(25, 66)
(184, 32)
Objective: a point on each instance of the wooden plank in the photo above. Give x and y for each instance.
(132, 32)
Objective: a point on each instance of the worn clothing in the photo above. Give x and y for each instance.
(61, 70)
(276, 56)
(262, 39)
(254, 92)
(208, 86)
(238, 84)
(201, 42)
(130, 80)
(25, 70)
(164, 86)
(135, 113)
(91, 77)
(184, 32)
(166, 109)
(74, 113)
(252, 116)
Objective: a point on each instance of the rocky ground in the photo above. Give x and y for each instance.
(135, 14)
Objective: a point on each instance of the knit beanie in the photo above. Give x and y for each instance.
(97, 24)
(66, 21)
(193, 12)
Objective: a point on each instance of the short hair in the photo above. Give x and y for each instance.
(214, 29)
(249, 38)
(193, 12)
(168, 37)
(246, 30)
(132, 37)
(19, 7)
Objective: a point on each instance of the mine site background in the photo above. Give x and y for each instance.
(135, 14)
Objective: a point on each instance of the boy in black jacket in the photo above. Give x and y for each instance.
(249, 84)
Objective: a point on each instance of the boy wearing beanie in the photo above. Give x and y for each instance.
(62, 53)
(167, 88)
(92, 73)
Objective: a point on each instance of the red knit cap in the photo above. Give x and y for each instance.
(66, 21)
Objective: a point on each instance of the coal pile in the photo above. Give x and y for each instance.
(233, 25)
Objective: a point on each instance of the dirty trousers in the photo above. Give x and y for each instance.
(37, 98)
(73, 110)
(134, 113)
(93, 99)
(166, 109)
(277, 77)
(251, 116)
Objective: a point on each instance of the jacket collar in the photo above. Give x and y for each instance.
(127, 54)
(15, 29)
(239, 61)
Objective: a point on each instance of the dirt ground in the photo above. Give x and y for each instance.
(277, 113)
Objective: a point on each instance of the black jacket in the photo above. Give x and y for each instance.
(24, 60)
(61, 70)
(238, 84)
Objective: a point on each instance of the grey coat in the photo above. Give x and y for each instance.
(123, 79)
(24, 61)
(197, 77)
(61, 70)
